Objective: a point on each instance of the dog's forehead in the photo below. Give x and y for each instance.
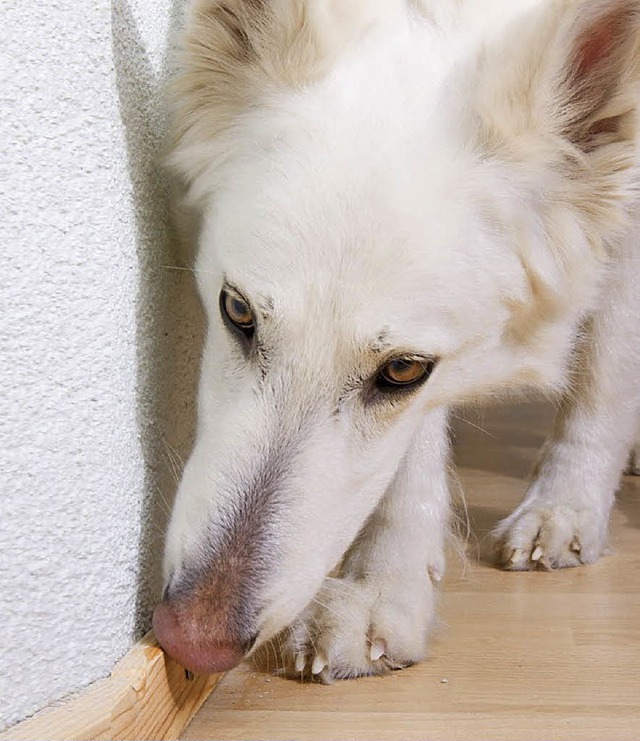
(375, 306)
(363, 264)
(300, 218)
(318, 175)
(323, 227)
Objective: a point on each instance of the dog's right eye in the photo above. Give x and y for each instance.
(404, 373)
(238, 312)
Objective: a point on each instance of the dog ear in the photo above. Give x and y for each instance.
(574, 82)
(238, 54)
(596, 83)
(564, 83)
(557, 103)
(216, 62)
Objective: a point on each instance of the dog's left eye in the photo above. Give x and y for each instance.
(404, 372)
(238, 311)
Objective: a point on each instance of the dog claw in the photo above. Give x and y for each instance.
(318, 665)
(301, 662)
(575, 546)
(378, 649)
(435, 575)
(516, 555)
(537, 554)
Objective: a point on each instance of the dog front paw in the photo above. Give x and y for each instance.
(360, 627)
(547, 536)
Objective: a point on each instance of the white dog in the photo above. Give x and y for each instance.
(404, 204)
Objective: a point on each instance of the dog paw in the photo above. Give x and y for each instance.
(362, 627)
(550, 537)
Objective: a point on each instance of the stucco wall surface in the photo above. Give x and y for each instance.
(98, 340)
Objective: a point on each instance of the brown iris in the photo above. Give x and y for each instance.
(238, 311)
(405, 371)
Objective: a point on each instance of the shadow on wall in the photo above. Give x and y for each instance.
(169, 316)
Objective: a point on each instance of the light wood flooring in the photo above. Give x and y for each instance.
(516, 656)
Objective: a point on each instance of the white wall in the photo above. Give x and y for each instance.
(97, 340)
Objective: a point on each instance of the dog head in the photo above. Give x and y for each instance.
(398, 213)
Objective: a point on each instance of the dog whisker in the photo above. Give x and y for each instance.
(187, 269)
(170, 458)
(473, 424)
(162, 501)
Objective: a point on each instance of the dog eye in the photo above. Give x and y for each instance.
(403, 372)
(238, 312)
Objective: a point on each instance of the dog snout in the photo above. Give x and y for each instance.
(214, 603)
(201, 645)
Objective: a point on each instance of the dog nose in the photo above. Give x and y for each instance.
(197, 649)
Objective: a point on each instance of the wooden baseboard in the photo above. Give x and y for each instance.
(147, 696)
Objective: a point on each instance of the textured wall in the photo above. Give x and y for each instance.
(98, 340)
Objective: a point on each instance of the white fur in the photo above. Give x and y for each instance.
(565, 514)
(403, 189)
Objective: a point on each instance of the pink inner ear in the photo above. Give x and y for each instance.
(599, 41)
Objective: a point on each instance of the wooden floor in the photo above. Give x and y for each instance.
(517, 656)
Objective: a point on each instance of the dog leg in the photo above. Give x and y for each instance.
(376, 616)
(563, 519)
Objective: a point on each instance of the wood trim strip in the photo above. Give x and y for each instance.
(147, 696)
